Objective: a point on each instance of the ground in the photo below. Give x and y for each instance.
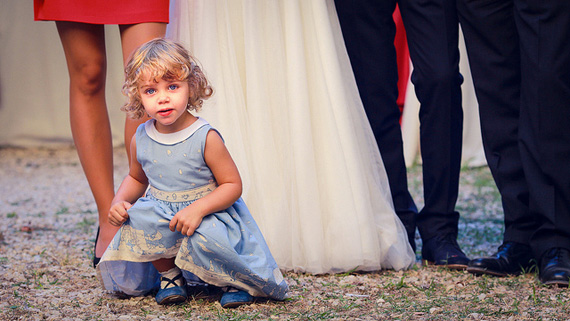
(49, 223)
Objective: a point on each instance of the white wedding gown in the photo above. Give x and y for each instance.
(288, 108)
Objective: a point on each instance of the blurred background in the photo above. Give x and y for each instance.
(34, 88)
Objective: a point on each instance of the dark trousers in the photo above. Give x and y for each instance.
(492, 43)
(432, 31)
(519, 53)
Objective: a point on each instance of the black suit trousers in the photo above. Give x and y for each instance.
(432, 32)
(544, 132)
(493, 44)
(519, 51)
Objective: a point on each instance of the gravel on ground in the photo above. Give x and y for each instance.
(46, 245)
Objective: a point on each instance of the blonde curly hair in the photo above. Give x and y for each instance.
(163, 59)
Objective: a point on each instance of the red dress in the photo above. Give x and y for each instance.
(102, 11)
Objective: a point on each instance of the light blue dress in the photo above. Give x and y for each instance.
(227, 249)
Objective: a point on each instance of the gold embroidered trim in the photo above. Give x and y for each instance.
(182, 196)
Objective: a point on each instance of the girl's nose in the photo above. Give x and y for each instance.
(163, 98)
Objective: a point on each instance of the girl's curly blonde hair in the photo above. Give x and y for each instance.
(163, 59)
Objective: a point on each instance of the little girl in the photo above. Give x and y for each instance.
(192, 222)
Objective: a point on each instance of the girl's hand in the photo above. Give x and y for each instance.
(118, 213)
(186, 221)
(228, 191)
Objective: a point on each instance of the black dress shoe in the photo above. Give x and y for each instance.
(555, 267)
(444, 251)
(511, 259)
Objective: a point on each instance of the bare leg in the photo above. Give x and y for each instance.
(163, 265)
(84, 47)
(132, 36)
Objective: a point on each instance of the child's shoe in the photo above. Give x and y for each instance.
(173, 294)
(235, 298)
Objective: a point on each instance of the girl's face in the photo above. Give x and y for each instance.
(166, 102)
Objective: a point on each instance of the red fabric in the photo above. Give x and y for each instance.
(102, 11)
(403, 56)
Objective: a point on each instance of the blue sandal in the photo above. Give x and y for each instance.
(172, 295)
(235, 299)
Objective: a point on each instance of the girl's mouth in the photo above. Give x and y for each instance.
(165, 112)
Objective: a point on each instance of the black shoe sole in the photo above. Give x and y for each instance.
(559, 283)
(481, 271)
(459, 267)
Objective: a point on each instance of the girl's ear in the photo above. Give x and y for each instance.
(189, 103)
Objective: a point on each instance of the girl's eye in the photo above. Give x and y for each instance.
(172, 86)
(149, 91)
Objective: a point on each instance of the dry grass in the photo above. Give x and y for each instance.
(49, 226)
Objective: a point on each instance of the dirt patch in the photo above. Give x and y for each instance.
(48, 229)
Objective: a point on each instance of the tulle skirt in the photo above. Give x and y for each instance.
(287, 104)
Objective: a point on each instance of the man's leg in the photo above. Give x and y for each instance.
(432, 30)
(368, 29)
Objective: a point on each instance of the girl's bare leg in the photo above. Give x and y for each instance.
(163, 265)
(84, 47)
(132, 36)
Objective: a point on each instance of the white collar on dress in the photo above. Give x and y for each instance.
(172, 138)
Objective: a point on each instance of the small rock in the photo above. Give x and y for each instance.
(434, 310)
